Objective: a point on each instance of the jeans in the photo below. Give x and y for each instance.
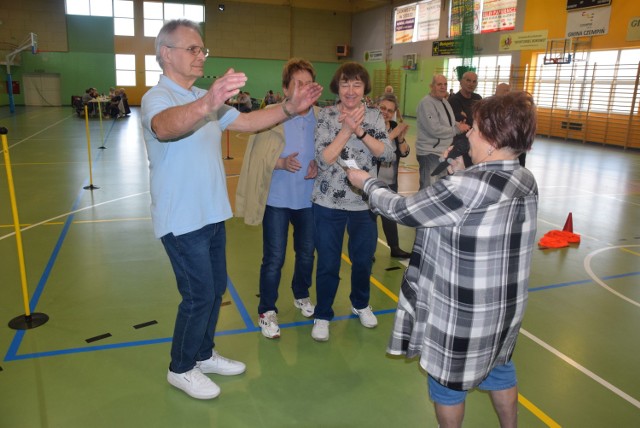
(363, 235)
(275, 232)
(199, 263)
(427, 164)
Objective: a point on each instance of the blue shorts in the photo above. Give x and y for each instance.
(500, 378)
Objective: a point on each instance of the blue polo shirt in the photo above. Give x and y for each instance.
(186, 176)
(290, 189)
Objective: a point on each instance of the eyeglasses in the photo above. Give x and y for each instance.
(384, 109)
(193, 50)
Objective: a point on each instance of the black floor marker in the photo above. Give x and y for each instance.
(145, 324)
(96, 338)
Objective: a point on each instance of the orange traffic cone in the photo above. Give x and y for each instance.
(568, 225)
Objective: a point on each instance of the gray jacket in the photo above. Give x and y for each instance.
(435, 133)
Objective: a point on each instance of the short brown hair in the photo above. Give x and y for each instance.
(293, 66)
(507, 121)
(350, 71)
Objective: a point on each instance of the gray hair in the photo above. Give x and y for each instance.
(164, 36)
(388, 97)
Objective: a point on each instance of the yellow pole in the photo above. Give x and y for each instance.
(16, 222)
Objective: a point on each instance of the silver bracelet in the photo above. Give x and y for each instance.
(287, 112)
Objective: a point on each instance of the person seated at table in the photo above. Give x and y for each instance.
(113, 108)
(87, 99)
(125, 109)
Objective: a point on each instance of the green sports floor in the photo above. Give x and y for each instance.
(95, 269)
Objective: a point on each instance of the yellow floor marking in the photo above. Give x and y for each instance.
(537, 412)
(58, 223)
(629, 251)
(521, 399)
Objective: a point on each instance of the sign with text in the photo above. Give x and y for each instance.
(527, 40)
(445, 47)
(633, 30)
(581, 4)
(405, 23)
(373, 56)
(498, 15)
(589, 22)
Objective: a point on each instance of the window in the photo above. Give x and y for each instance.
(155, 13)
(123, 18)
(600, 81)
(125, 70)
(152, 70)
(89, 7)
(481, 16)
(417, 22)
(491, 71)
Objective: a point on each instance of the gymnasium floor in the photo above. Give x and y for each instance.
(94, 267)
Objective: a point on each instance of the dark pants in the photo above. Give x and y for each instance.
(363, 235)
(275, 233)
(199, 263)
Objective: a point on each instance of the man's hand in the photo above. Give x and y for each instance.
(224, 88)
(357, 177)
(303, 97)
(462, 126)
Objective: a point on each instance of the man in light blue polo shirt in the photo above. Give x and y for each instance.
(183, 127)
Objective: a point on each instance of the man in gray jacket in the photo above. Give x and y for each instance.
(436, 128)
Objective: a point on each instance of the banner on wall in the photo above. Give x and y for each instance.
(498, 15)
(405, 23)
(633, 30)
(581, 4)
(527, 40)
(429, 20)
(373, 56)
(445, 47)
(588, 22)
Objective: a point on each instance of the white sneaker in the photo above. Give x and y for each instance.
(305, 306)
(269, 325)
(320, 330)
(194, 383)
(218, 364)
(367, 318)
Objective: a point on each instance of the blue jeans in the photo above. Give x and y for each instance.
(275, 232)
(199, 263)
(427, 164)
(363, 235)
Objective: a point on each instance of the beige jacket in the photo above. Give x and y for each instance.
(259, 161)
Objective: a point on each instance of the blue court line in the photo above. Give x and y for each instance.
(250, 326)
(583, 281)
(12, 352)
(17, 339)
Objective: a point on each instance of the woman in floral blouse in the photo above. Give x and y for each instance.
(348, 134)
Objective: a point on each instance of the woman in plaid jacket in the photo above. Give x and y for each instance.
(464, 293)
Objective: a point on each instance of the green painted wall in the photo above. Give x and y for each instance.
(90, 61)
(264, 74)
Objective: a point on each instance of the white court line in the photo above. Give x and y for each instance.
(72, 212)
(39, 132)
(587, 267)
(584, 370)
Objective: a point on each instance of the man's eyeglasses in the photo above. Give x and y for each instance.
(193, 50)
